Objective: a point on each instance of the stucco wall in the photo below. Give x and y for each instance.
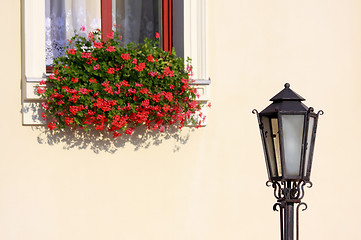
(207, 183)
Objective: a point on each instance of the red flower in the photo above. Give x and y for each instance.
(131, 90)
(86, 55)
(98, 45)
(157, 35)
(51, 126)
(125, 83)
(144, 91)
(91, 113)
(96, 67)
(125, 56)
(150, 58)
(74, 109)
(43, 116)
(140, 67)
(193, 104)
(111, 49)
(45, 105)
(161, 129)
(74, 98)
(129, 131)
(69, 120)
(168, 72)
(116, 134)
(107, 88)
(119, 121)
(110, 35)
(169, 96)
(40, 90)
(153, 74)
(184, 81)
(92, 80)
(84, 91)
(145, 103)
(100, 127)
(71, 51)
(166, 108)
(74, 80)
(111, 70)
(91, 36)
(156, 97)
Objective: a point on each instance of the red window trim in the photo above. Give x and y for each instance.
(167, 17)
(167, 23)
(106, 11)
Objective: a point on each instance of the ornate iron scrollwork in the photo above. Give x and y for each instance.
(287, 194)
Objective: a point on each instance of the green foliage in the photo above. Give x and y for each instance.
(103, 85)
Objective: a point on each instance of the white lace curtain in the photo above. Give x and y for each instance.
(137, 18)
(65, 17)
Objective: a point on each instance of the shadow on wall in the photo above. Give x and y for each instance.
(103, 142)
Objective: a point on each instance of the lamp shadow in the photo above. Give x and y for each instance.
(97, 141)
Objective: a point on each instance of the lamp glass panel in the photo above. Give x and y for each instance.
(292, 130)
(276, 143)
(268, 141)
(308, 144)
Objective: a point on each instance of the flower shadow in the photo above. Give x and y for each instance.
(97, 141)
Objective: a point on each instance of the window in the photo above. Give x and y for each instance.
(133, 19)
(183, 26)
(138, 19)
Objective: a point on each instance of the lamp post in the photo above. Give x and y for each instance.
(288, 131)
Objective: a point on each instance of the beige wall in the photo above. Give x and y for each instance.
(207, 183)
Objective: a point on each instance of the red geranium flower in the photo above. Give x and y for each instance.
(98, 45)
(51, 126)
(111, 49)
(140, 67)
(71, 51)
(150, 58)
(125, 56)
(110, 70)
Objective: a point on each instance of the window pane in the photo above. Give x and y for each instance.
(178, 27)
(292, 137)
(269, 146)
(276, 142)
(136, 19)
(308, 144)
(65, 17)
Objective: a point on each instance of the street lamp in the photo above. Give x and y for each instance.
(288, 131)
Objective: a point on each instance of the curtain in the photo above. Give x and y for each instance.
(138, 19)
(63, 18)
